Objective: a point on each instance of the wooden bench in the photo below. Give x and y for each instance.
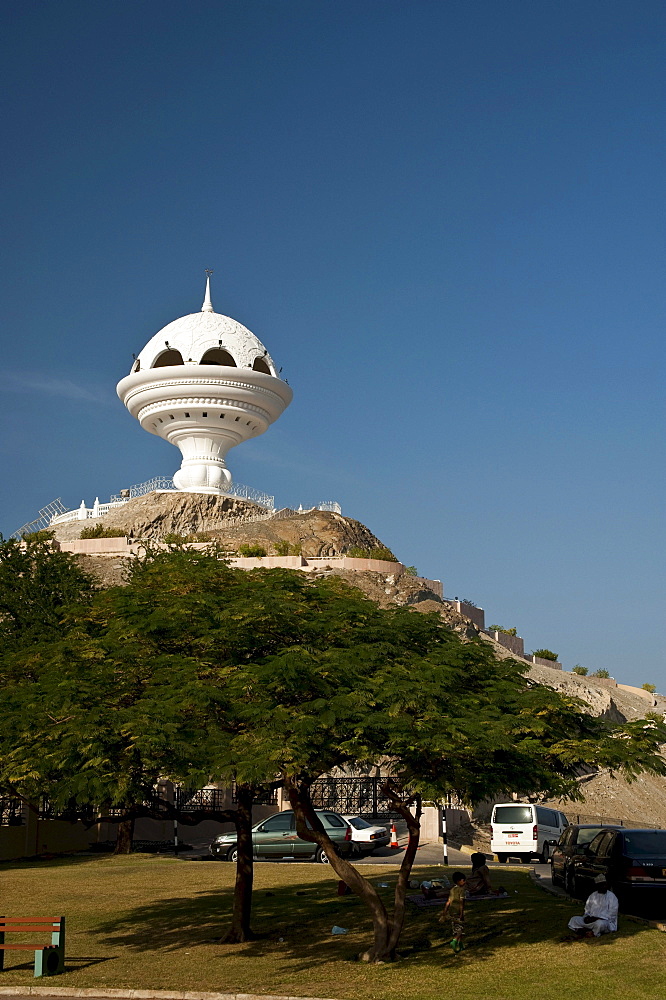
(49, 958)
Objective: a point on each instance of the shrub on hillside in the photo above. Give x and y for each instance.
(603, 673)
(649, 687)
(39, 536)
(251, 551)
(545, 654)
(285, 548)
(505, 631)
(173, 538)
(581, 671)
(99, 531)
(380, 552)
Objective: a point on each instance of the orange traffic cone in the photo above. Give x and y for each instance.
(394, 837)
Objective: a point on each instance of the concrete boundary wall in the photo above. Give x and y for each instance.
(476, 615)
(511, 642)
(308, 564)
(542, 662)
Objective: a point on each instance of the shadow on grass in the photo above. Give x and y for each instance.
(71, 964)
(51, 861)
(295, 922)
(74, 859)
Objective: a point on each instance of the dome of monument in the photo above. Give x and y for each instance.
(205, 338)
(205, 384)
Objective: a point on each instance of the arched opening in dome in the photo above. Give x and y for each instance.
(170, 357)
(261, 366)
(217, 356)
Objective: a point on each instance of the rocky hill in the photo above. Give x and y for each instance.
(230, 521)
(157, 514)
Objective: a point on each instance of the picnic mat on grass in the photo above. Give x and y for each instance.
(418, 899)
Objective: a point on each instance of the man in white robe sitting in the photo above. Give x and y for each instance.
(601, 911)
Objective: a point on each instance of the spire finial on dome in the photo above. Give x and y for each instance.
(207, 306)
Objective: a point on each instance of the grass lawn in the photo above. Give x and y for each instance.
(153, 922)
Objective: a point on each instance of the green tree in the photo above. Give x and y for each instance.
(603, 673)
(578, 669)
(505, 631)
(649, 687)
(545, 654)
(38, 583)
(473, 725)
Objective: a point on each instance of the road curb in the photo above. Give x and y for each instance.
(553, 890)
(657, 925)
(470, 849)
(109, 994)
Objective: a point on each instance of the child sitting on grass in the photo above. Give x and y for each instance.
(456, 903)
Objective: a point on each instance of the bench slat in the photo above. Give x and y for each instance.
(28, 947)
(30, 920)
(7, 929)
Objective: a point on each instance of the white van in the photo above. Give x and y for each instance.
(521, 830)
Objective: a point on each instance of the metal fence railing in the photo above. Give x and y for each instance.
(360, 796)
(586, 818)
(11, 811)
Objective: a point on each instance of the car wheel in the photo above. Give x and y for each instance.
(502, 858)
(321, 857)
(545, 854)
(556, 878)
(232, 855)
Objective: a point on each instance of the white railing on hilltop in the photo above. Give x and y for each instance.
(45, 518)
(162, 483)
(249, 493)
(140, 489)
(331, 505)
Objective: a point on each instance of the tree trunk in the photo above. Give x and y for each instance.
(413, 821)
(242, 909)
(386, 931)
(125, 835)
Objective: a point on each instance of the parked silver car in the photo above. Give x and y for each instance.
(275, 838)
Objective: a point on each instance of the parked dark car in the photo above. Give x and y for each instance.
(275, 838)
(572, 842)
(633, 862)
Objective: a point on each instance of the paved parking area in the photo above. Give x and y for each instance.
(427, 854)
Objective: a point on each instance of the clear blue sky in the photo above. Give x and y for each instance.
(444, 219)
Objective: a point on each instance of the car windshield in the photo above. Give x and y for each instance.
(586, 836)
(513, 814)
(358, 823)
(645, 843)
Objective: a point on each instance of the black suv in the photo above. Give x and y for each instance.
(573, 841)
(632, 861)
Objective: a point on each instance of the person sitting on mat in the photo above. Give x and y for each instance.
(478, 883)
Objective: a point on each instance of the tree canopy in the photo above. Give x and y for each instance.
(195, 671)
